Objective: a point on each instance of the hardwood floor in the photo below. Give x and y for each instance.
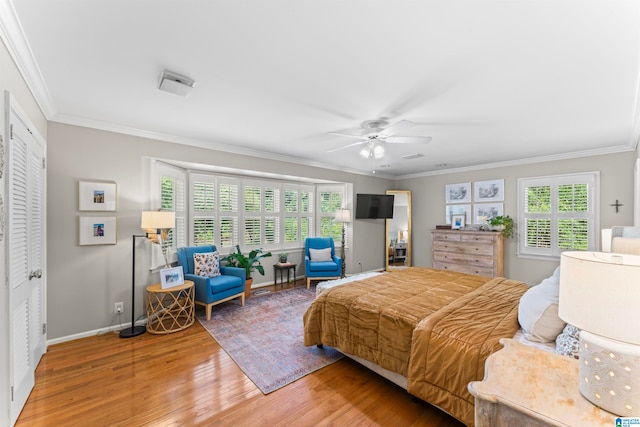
(187, 379)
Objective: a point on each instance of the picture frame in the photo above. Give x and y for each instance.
(484, 211)
(457, 221)
(97, 230)
(170, 277)
(97, 196)
(488, 191)
(458, 193)
(457, 210)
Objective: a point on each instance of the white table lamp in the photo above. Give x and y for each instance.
(600, 295)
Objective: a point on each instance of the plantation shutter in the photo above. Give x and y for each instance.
(228, 195)
(306, 211)
(291, 218)
(252, 203)
(330, 201)
(272, 211)
(172, 198)
(558, 213)
(203, 196)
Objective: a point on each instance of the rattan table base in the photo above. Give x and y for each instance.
(170, 309)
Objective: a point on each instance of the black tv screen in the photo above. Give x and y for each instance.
(374, 206)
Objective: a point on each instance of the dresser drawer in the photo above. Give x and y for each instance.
(463, 248)
(480, 238)
(447, 237)
(470, 260)
(464, 269)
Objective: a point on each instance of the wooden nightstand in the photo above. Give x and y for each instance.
(526, 386)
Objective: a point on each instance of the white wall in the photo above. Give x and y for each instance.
(12, 81)
(616, 182)
(85, 281)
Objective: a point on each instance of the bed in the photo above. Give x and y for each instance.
(429, 331)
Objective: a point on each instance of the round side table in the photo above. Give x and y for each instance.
(170, 309)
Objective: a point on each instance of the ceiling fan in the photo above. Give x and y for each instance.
(375, 132)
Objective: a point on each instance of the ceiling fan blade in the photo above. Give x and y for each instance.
(408, 139)
(402, 125)
(346, 146)
(348, 135)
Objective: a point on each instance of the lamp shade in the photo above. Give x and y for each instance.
(600, 294)
(343, 215)
(158, 219)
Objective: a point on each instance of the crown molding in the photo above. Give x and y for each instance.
(18, 46)
(206, 144)
(563, 156)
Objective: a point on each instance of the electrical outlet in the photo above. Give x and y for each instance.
(118, 307)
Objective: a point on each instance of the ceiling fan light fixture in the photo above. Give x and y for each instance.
(378, 151)
(365, 152)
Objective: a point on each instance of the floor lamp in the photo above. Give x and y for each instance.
(161, 222)
(343, 216)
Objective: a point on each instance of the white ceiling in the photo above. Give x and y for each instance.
(492, 81)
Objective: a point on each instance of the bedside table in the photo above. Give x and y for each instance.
(524, 385)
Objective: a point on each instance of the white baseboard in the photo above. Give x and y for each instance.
(92, 333)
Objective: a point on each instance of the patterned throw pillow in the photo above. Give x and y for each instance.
(568, 342)
(206, 264)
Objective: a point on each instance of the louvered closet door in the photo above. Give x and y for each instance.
(25, 245)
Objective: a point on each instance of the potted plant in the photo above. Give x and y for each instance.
(250, 263)
(502, 223)
(283, 257)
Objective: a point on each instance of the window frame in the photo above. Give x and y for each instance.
(592, 215)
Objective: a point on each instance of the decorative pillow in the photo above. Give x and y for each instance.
(206, 264)
(320, 254)
(568, 342)
(538, 310)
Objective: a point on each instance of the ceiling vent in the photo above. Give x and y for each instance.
(176, 84)
(412, 156)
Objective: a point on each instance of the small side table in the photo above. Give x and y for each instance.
(170, 309)
(527, 386)
(282, 267)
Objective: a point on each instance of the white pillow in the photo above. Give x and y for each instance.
(538, 310)
(320, 254)
(206, 264)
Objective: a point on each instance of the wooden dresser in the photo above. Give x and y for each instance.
(473, 252)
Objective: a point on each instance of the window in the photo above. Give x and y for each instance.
(226, 210)
(172, 198)
(330, 200)
(558, 213)
(203, 196)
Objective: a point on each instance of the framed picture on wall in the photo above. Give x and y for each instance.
(458, 193)
(488, 191)
(485, 211)
(97, 196)
(97, 230)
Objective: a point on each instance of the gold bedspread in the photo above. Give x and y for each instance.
(434, 327)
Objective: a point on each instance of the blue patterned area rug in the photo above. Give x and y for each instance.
(266, 339)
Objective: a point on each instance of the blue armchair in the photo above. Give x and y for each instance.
(212, 290)
(329, 267)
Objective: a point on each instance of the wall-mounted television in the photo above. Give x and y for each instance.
(374, 206)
